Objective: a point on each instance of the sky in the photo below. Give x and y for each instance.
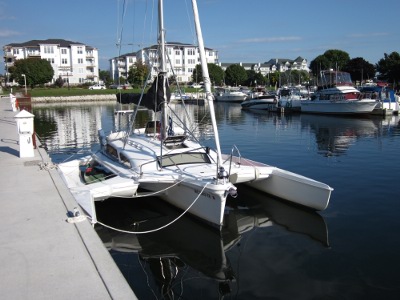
(249, 31)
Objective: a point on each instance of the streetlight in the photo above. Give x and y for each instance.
(26, 92)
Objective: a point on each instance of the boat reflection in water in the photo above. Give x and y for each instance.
(334, 135)
(187, 254)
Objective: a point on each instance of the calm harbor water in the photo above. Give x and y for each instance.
(268, 249)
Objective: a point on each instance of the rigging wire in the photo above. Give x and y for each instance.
(119, 35)
(190, 23)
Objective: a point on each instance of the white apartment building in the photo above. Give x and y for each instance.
(284, 64)
(273, 65)
(119, 66)
(183, 59)
(75, 62)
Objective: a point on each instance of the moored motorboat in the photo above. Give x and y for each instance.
(264, 101)
(385, 97)
(337, 95)
(290, 97)
(179, 96)
(229, 94)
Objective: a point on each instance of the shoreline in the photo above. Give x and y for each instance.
(53, 99)
(79, 98)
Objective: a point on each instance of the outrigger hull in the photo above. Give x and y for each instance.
(286, 185)
(86, 193)
(295, 188)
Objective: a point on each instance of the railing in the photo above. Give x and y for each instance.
(234, 149)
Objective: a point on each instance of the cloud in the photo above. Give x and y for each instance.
(8, 33)
(271, 39)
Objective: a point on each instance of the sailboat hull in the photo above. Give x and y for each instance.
(208, 204)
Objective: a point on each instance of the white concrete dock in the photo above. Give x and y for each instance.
(42, 256)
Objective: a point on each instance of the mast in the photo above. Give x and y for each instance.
(206, 78)
(161, 41)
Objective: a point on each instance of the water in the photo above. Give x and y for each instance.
(269, 249)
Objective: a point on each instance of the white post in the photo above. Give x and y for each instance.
(26, 92)
(25, 131)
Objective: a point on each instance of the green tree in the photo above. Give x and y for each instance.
(331, 59)
(59, 82)
(254, 78)
(360, 69)
(121, 80)
(389, 68)
(235, 75)
(105, 76)
(319, 63)
(273, 79)
(37, 71)
(337, 58)
(137, 73)
(260, 79)
(197, 75)
(215, 72)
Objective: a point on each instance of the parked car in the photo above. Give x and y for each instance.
(120, 87)
(97, 87)
(116, 86)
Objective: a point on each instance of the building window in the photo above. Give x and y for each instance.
(80, 50)
(15, 51)
(50, 60)
(48, 49)
(191, 52)
(177, 61)
(80, 60)
(177, 52)
(63, 51)
(64, 61)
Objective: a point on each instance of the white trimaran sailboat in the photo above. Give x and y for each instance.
(166, 160)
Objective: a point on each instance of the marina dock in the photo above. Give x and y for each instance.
(43, 256)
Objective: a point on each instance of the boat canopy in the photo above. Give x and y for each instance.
(383, 92)
(334, 78)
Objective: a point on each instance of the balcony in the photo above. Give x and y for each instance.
(36, 54)
(65, 68)
(9, 54)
